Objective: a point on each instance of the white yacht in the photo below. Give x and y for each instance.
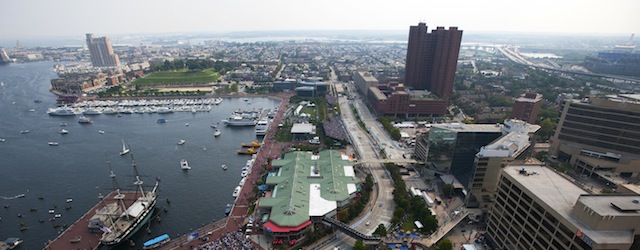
(236, 191)
(262, 126)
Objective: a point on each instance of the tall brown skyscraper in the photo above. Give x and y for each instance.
(102, 54)
(526, 107)
(432, 59)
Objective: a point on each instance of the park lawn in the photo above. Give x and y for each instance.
(178, 77)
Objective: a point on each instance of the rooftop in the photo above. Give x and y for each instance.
(560, 195)
(308, 185)
(461, 127)
(510, 145)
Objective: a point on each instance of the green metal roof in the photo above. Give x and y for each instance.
(298, 170)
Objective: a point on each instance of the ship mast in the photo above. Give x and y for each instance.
(137, 182)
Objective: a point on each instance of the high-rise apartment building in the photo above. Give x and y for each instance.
(600, 136)
(432, 59)
(537, 208)
(526, 107)
(102, 54)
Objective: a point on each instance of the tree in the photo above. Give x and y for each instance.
(380, 231)
(445, 245)
(546, 129)
(359, 245)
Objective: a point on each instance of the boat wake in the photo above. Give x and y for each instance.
(13, 197)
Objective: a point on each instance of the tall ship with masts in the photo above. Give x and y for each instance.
(117, 217)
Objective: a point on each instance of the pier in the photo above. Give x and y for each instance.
(78, 236)
(238, 215)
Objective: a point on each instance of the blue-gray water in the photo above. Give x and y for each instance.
(78, 168)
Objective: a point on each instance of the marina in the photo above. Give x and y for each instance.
(152, 143)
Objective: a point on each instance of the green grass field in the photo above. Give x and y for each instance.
(178, 77)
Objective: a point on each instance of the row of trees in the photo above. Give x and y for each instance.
(388, 126)
(409, 207)
(198, 64)
(356, 207)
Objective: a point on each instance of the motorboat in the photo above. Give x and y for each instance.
(217, 101)
(161, 120)
(84, 119)
(101, 131)
(124, 150)
(63, 131)
(224, 167)
(26, 131)
(217, 133)
(244, 173)
(236, 191)
(227, 210)
(156, 242)
(61, 111)
(3, 139)
(91, 111)
(181, 141)
(53, 143)
(184, 165)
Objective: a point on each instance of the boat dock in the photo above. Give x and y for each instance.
(77, 236)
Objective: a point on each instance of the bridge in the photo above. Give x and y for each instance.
(366, 239)
(397, 161)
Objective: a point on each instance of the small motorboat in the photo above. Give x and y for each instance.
(224, 167)
(101, 131)
(181, 141)
(26, 131)
(63, 131)
(217, 133)
(53, 143)
(184, 165)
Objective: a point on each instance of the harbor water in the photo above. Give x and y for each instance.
(77, 168)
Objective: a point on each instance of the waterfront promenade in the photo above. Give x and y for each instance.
(226, 229)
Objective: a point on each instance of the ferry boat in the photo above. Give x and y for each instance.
(156, 242)
(262, 126)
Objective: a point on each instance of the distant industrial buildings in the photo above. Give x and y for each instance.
(537, 208)
(620, 61)
(600, 136)
(102, 54)
(430, 71)
(526, 107)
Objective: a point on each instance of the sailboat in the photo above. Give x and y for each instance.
(125, 150)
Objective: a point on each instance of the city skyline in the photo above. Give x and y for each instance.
(67, 18)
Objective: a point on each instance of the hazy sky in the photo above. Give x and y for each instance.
(44, 18)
